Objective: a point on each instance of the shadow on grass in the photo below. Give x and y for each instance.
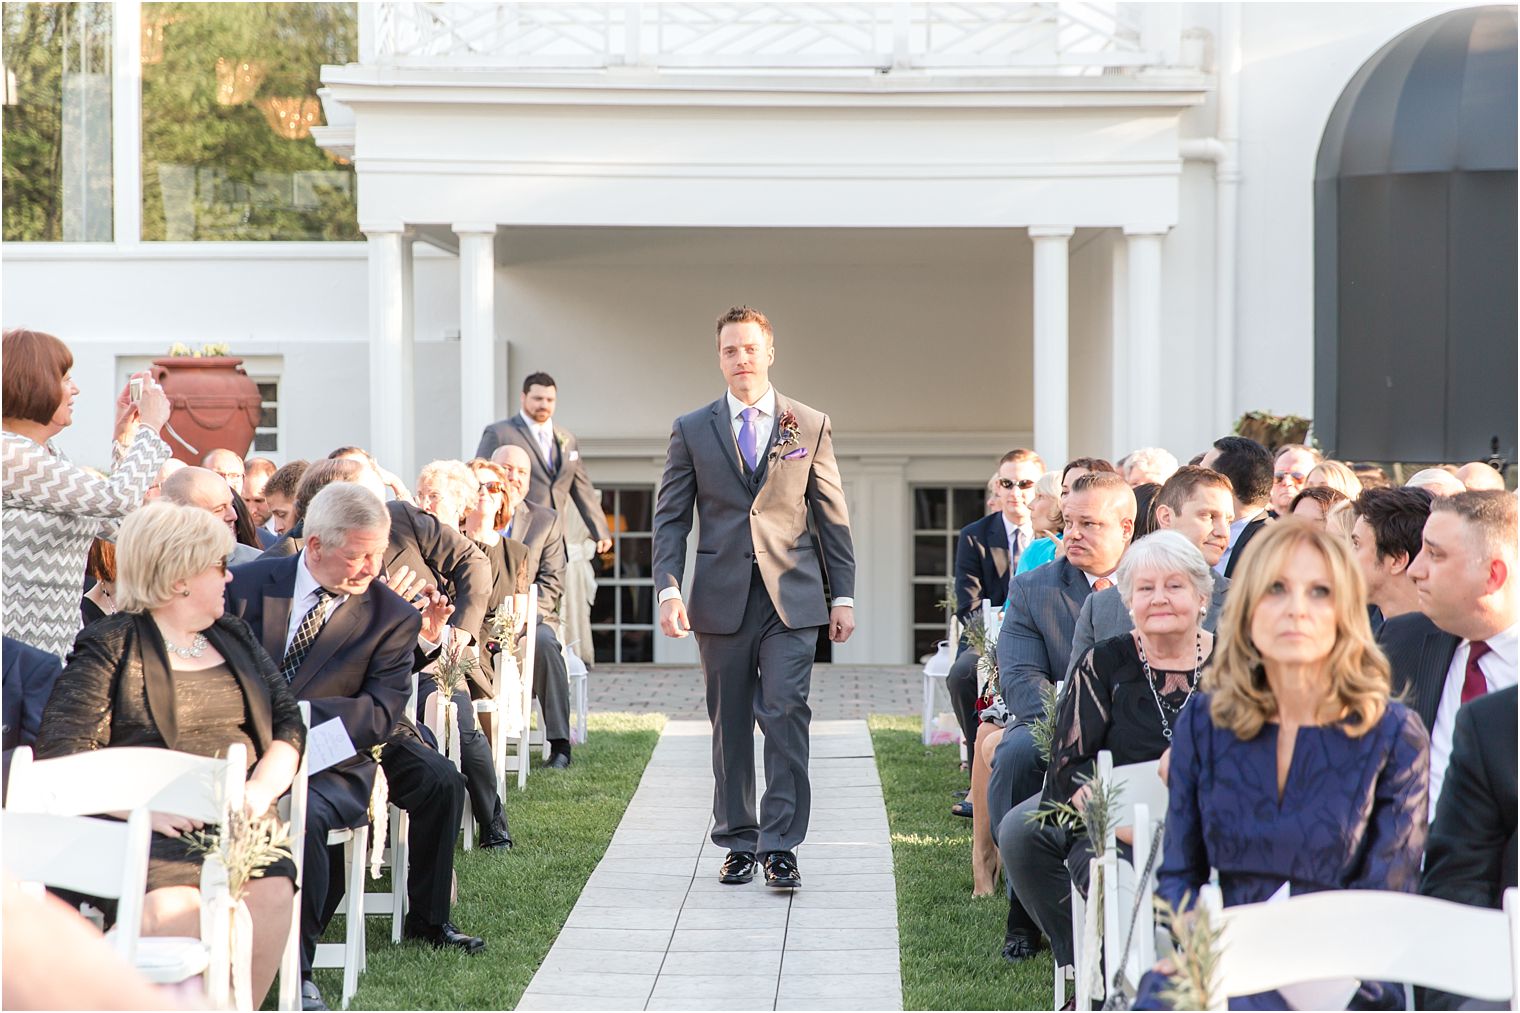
(950, 943)
(517, 900)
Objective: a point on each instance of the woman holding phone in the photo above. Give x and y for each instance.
(53, 508)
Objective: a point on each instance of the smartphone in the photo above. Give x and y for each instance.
(135, 389)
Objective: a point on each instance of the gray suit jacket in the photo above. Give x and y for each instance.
(554, 483)
(1034, 645)
(1103, 615)
(749, 520)
(541, 530)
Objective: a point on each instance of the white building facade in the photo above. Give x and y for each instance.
(1083, 228)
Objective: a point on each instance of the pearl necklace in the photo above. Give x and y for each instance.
(1166, 726)
(198, 645)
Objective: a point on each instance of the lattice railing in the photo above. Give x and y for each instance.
(1042, 37)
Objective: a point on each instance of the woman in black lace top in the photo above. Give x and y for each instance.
(170, 670)
(1124, 696)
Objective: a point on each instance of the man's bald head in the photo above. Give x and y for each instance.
(202, 488)
(168, 468)
(1476, 475)
(228, 465)
(514, 460)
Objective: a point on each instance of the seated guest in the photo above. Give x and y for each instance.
(1043, 551)
(1336, 475)
(1291, 465)
(1045, 519)
(171, 670)
(1149, 466)
(1034, 647)
(1314, 503)
(29, 678)
(243, 528)
(539, 528)
(156, 489)
(1465, 640)
(346, 644)
(257, 471)
(1385, 538)
(1340, 519)
(1126, 696)
(280, 496)
(1248, 466)
(1470, 858)
(53, 508)
(1197, 504)
(1475, 475)
(1292, 764)
(1371, 476)
(443, 488)
(484, 520)
(1145, 501)
(1439, 481)
(228, 465)
(100, 566)
(206, 490)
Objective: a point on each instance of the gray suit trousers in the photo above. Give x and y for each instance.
(761, 672)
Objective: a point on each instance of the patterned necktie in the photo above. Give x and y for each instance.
(306, 633)
(748, 444)
(1102, 584)
(1473, 683)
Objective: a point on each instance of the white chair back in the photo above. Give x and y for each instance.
(128, 777)
(1372, 935)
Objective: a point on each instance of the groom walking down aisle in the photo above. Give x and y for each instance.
(756, 465)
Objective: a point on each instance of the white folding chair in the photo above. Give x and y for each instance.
(395, 855)
(1143, 801)
(578, 674)
(1370, 935)
(148, 780)
(349, 954)
(528, 604)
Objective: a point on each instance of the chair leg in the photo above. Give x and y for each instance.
(353, 935)
(290, 961)
(928, 721)
(401, 825)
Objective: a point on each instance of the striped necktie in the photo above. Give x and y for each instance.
(306, 634)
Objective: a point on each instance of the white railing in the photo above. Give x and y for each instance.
(1029, 37)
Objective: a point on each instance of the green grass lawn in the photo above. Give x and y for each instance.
(950, 943)
(520, 899)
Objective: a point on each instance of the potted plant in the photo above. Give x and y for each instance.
(213, 403)
(1272, 431)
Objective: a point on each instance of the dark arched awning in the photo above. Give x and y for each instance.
(1415, 247)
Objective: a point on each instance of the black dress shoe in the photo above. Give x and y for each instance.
(558, 761)
(1017, 947)
(311, 997)
(738, 867)
(445, 936)
(495, 841)
(781, 871)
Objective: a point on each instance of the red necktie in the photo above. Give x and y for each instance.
(1103, 584)
(1473, 683)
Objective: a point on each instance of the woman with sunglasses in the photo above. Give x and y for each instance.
(171, 670)
(484, 521)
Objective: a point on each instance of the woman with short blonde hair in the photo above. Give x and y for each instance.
(1337, 475)
(1292, 765)
(165, 547)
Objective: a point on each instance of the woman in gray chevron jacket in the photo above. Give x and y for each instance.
(53, 508)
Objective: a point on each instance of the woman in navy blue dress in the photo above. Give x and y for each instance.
(1294, 766)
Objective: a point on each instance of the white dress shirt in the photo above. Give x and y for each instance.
(543, 434)
(763, 425)
(305, 597)
(1018, 539)
(1498, 668)
(1236, 527)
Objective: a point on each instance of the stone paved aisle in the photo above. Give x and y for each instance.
(654, 929)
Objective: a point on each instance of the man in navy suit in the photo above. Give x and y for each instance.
(347, 643)
(29, 677)
(1034, 648)
(986, 554)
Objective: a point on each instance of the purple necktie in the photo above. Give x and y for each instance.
(747, 443)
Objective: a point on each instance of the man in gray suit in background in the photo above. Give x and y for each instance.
(756, 466)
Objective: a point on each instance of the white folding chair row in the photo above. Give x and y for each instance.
(1142, 804)
(1368, 935)
(525, 605)
(141, 780)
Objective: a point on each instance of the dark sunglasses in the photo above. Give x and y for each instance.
(1284, 475)
(491, 487)
(1024, 483)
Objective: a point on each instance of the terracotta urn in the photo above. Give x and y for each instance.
(213, 404)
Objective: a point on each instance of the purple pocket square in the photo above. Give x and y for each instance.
(795, 455)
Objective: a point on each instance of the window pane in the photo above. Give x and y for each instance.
(638, 646)
(924, 642)
(638, 509)
(229, 97)
(57, 124)
(267, 442)
(929, 510)
(924, 608)
(605, 642)
(635, 557)
(603, 604)
(930, 555)
(637, 604)
(970, 506)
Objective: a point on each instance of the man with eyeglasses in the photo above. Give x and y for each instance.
(228, 465)
(200, 487)
(1290, 469)
(986, 553)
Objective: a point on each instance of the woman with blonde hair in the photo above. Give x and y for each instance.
(1292, 765)
(1045, 517)
(171, 670)
(1336, 475)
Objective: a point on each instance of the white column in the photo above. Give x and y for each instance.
(1119, 377)
(1051, 340)
(388, 384)
(406, 464)
(477, 332)
(126, 122)
(1145, 387)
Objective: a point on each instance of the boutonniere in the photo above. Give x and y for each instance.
(559, 439)
(786, 429)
